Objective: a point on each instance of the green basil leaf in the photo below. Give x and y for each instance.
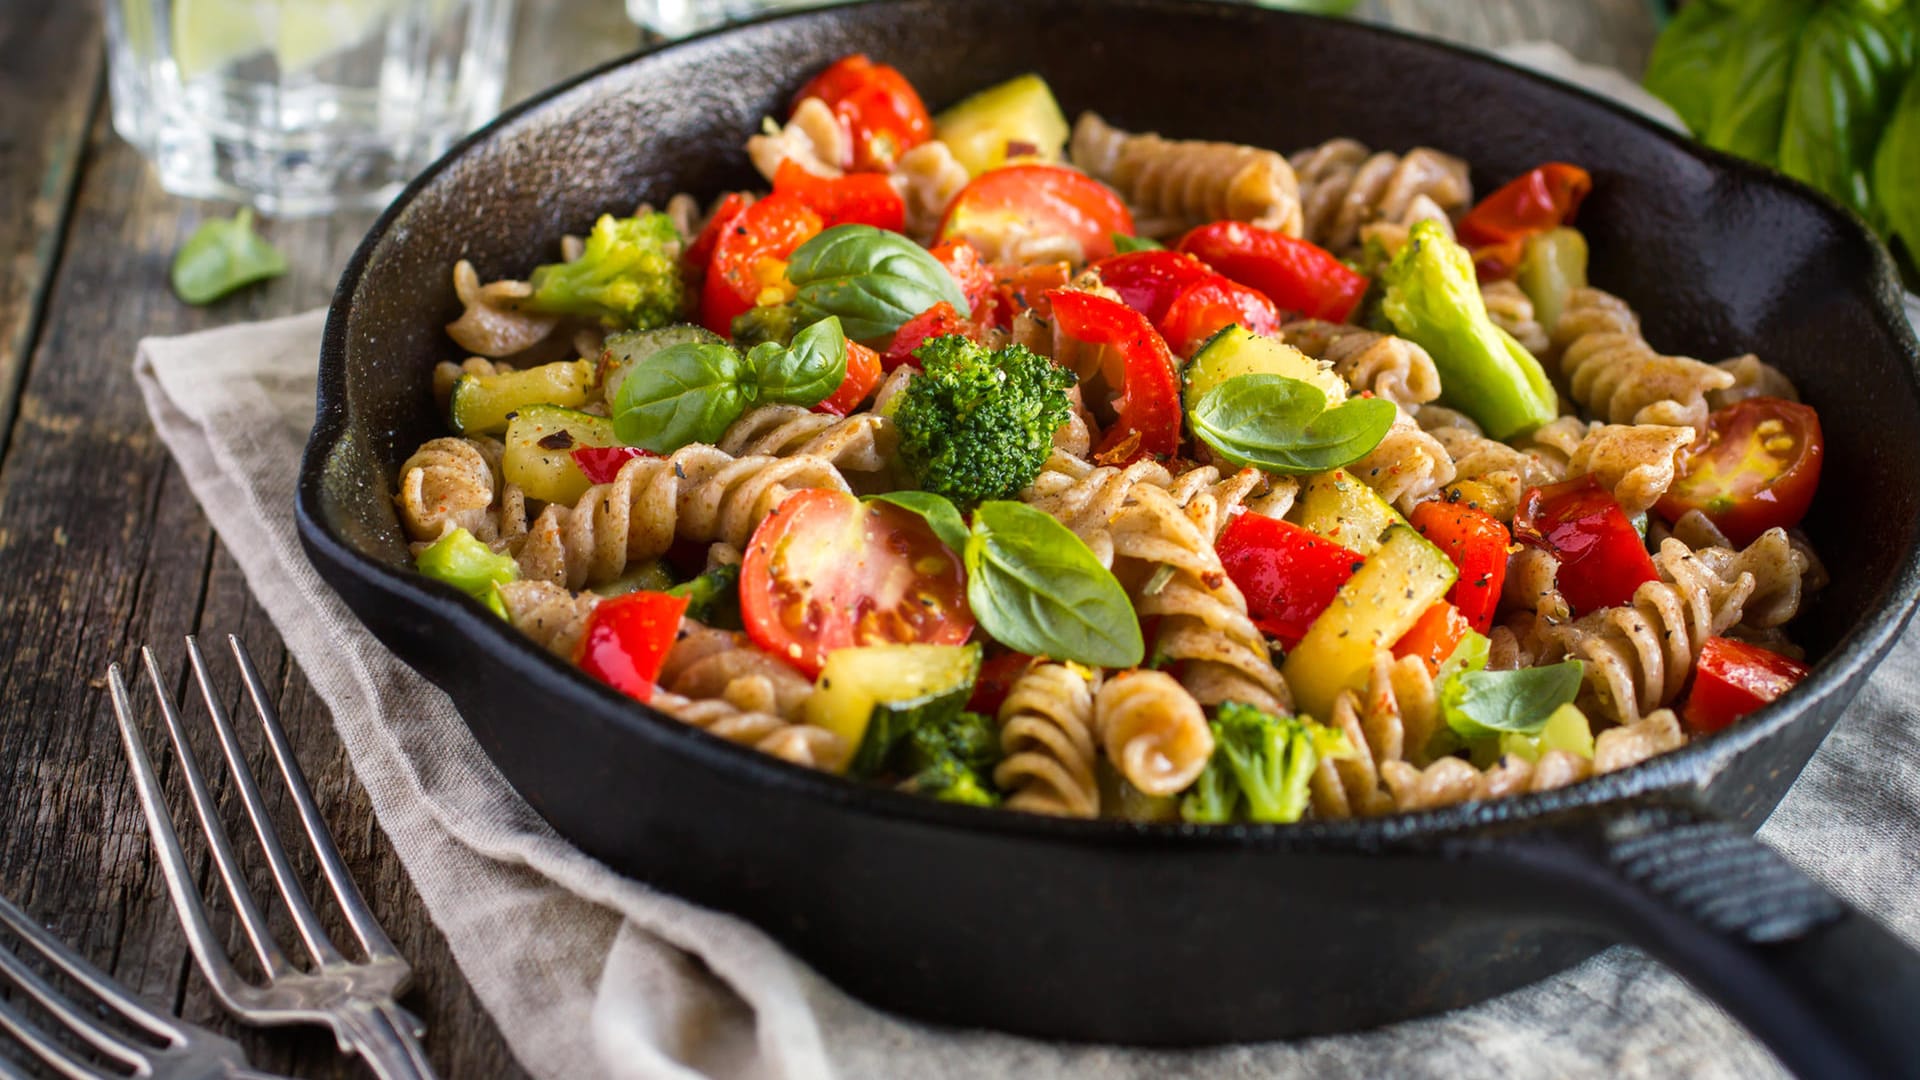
(1282, 425)
(222, 255)
(1896, 169)
(1845, 84)
(683, 394)
(1123, 245)
(1750, 82)
(1482, 704)
(874, 280)
(939, 513)
(1036, 588)
(1682, 70)
(806, 372)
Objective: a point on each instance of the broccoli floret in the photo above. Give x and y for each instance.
(1261, 758)
(462, 561)
(628, 276)
(713, 598)
(768, 322)
(977, 425)
(952, 759)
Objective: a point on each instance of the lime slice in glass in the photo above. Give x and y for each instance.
(210, 34)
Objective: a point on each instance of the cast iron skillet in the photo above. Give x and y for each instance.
(1167, 935)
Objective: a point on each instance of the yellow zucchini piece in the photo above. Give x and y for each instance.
(1370, 612)
(1335, 505)
(870, 695)
(539, 455)
(1020, 111)
(480, 403)
(1236, 350)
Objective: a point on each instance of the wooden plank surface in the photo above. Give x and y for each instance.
(102, 548)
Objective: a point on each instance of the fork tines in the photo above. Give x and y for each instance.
(144, 1043)
(354, 997)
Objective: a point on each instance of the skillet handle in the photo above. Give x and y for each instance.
(1829, 989)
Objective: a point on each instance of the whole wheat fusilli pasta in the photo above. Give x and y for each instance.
(1387, 366)
(1610, 369)
(1344, 187)
(1152, 730)
(1174, 184)
(1047, 735)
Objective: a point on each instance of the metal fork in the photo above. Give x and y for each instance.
(354, 998)
(173, 1049)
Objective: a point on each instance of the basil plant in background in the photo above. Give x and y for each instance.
(1826, 91)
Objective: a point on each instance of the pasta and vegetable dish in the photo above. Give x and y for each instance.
(1096, 473)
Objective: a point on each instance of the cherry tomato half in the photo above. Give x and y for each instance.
(939, 320)
(969, 271)
(862, 378)
(699, 253)
(1041, 200)
(825, 571)
(882, 110)
(751, 257)
(1733, 679)
(1757, 467)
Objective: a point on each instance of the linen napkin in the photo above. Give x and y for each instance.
(591, 974)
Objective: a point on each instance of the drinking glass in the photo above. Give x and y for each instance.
(302, 106)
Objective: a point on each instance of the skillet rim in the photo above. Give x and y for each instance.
(1680, 773)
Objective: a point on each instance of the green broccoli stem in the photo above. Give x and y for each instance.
(1433, 300)
(627, 275)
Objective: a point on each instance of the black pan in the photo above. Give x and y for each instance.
(1167, 935)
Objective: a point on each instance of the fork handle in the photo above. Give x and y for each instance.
(386, 1037)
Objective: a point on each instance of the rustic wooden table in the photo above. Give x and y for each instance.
(103, 549)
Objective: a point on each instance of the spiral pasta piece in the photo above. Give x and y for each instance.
(806, 745)
(698, 493)
(1636, 462)
(927, 178)
(1387, 366)
(1611, 370)
(1152, 730)
(1630, 744)
(1174, 184)
(813, 138)
(1488, 473)
(1512, 311)
(448, 484)
(555, 619)
(863, 442)
(1752, 377)
(1408, 467)
(1047, 735)
(491, 322)
(1783, 573)
(1345, 187)
(1638, 655)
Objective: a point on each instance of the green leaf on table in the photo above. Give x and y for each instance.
(874, 280)
(222, 255)
(1282, 425)
(1036, 588)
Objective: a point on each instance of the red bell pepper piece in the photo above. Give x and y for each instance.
(1288, 574)
(1149, 384)
(1477, 543)
(627, 640)
(969, 271)
(1210, 305)
(996, 679)
(1539, 199)
(1733, 679)
(853, 199)
(1602, 559)
(937, 321)
(1148, 281)
(863, 375)
(698, 254)
(1296, 275)
(602, 463)
(1434, 636)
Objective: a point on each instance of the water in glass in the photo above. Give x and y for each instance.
(302, 106)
